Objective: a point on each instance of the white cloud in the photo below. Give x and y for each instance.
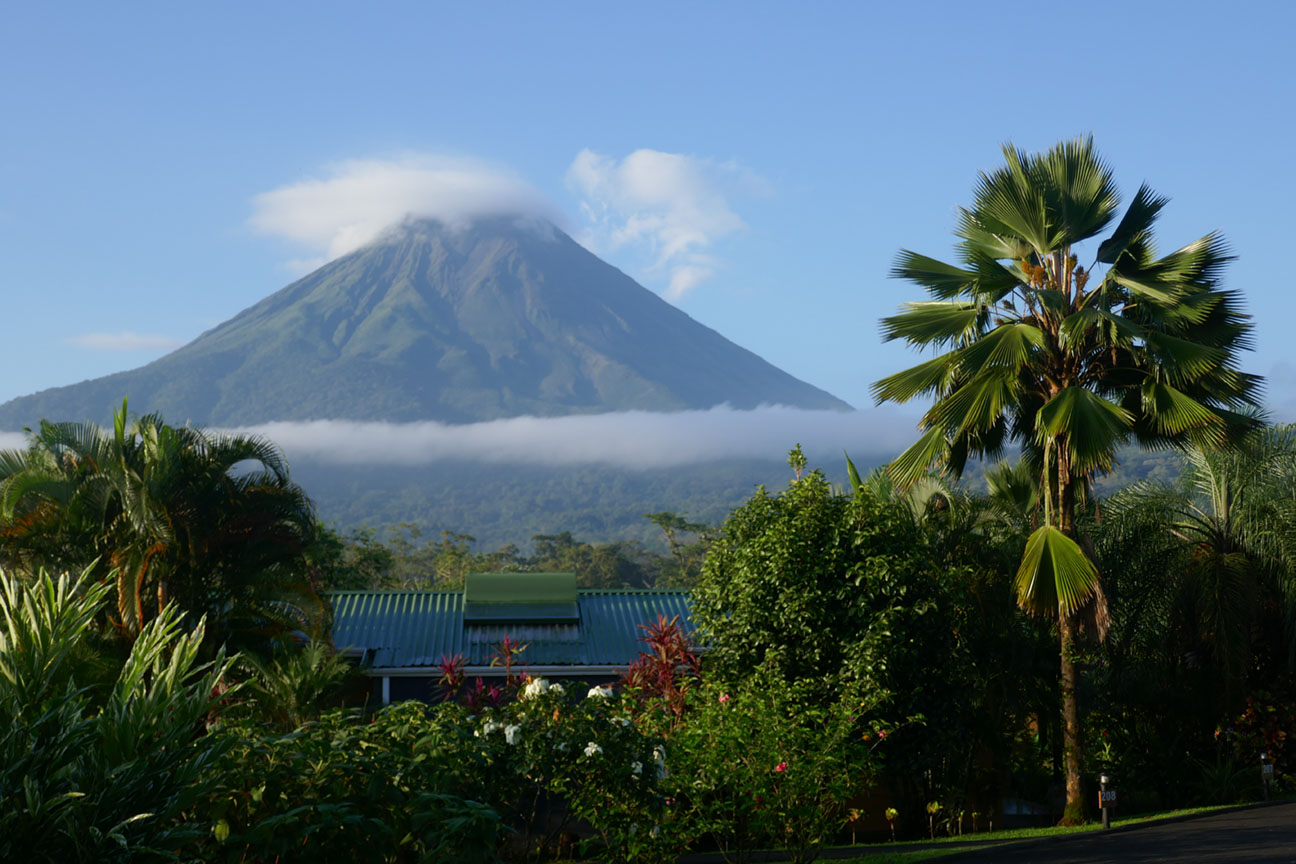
(670, 206)
(358, 199)
(632, 439)
(125, 340)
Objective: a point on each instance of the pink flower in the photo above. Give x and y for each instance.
(881, 733)
(780, 768)
(724, 697)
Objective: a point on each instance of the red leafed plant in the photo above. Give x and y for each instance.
(665, 672)
(482, 695)
(453, 678)
(506, 655)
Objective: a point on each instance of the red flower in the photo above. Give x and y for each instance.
(724, 697)
(781, 767)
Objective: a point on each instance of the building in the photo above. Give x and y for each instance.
(585, 634)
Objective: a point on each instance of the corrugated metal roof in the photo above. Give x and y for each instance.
(418, 628)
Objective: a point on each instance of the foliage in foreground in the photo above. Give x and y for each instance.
(350, 788)
(107, 782)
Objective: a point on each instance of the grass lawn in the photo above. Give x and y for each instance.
(913, 855)
(902, 855)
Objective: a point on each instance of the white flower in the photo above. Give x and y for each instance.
(512, 734)
(487, 728)
(562, 746)
(592, 749)
(621, 721)
(556, 688)
(599, 693)
(636, 768)
(534, 688)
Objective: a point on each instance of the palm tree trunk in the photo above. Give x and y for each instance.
(1073, 813)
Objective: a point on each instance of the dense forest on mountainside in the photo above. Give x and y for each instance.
(503, 504)
(500, 504)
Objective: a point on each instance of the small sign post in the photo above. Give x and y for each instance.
(1106, 798)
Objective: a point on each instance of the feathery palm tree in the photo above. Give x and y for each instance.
(1068, 361)
(210, 522)
(1233, 514)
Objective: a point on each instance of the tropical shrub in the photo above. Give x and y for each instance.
(107, 782)
(296, 683)
(570, 757)
(403, 785)
(813, 587)
(762, 765)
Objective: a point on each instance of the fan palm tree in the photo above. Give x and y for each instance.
(1069, 361)
(210, 522)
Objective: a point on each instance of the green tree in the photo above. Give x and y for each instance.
(812, 588)
(356, 561)
(210, 522)
(602, 565)
(687, 557)
(1068, 361)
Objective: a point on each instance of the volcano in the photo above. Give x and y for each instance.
(504, 318)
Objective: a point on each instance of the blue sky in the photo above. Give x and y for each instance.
(791, 150)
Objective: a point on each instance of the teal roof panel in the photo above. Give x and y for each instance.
(418, 628)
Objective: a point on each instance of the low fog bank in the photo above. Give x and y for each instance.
(631, 439)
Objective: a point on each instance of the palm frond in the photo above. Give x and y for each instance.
(1091, 426)
(932, 322)
(931, 376)
(853, 475)
(914, 462)
(943, 281)
(1187, 358)
(978, 404)
(1079, 189)
(1055, 576)
(1008, 197)
(1137, 220)
(1113, 329)
(1174, 413)
(980, 241)
(1009, 346)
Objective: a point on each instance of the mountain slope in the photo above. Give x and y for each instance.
(503, 319)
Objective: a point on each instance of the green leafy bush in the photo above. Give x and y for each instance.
(107, 783)
(578, 757)
(403, 785)
(765, 766)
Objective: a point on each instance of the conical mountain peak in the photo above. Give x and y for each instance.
(457, 323)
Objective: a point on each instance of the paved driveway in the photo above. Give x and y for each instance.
(1260, 834)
